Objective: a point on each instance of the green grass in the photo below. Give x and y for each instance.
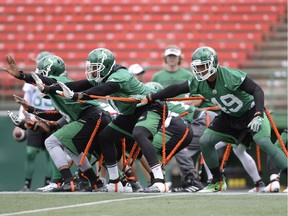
(134, 204)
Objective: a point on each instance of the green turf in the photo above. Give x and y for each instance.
(107, 204)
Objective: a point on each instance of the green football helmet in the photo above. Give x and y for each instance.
(155, 86)
(40, 66)
(53, 66)
(99, 64)
(204, 63)
(41, 56)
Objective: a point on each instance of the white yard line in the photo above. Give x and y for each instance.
(146, 196)
(85, 204)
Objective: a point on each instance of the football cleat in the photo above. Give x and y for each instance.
(25, 189)
(274, 185)
(213, 187)
(159, 186)
(128, 188)
(70, 186)
(189, 189)
(48, 188)
(112, 186)
(259, 187)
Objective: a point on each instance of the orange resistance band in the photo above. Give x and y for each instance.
(101, 159)
(124, 160)
(177, 146)
(208, 121)
(132, 151)
(90, 141)
(276, 132)
(225, 156)
(163, 135)
(258, 155)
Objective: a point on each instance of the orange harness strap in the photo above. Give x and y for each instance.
(90, 141)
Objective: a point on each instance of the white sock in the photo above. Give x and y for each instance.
(220, 145)
(157, 172)
(113, 171)
(247, 162)
(209, 174)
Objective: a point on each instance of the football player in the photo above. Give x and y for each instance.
(242, 104)
(105, 77)
(73, 130)
(35, 139)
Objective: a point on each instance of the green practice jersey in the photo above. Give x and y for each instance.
(226, 93)
(180, 108)
(130, 87)
(69, 109)
(166, 78)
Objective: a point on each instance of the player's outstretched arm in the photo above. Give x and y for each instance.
(13, 68)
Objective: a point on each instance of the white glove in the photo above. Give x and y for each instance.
(140, 99)
(15, 119)
(256, 123)
(137, 97)
(38, 82)
(66, 92)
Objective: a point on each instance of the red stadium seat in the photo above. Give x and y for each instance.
(136, 30)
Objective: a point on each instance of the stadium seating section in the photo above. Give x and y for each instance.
(137, 31)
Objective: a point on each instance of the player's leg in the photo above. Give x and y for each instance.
(207, 144)
(250, 167)
(263, 139)
(144, 132)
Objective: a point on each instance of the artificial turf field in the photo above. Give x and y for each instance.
(134, 204)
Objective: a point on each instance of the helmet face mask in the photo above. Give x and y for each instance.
(40, 67)
(204, 63)
(53, 66)
(99, 64)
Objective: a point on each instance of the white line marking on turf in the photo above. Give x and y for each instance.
(146, 196)
(87, 204)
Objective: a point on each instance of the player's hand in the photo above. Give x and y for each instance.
(13, 68)
(66, 92)
(145, 101)
(21, 101)
(43, 124)
(38, 81)
(256, 123)
(14, 118)
(29, 123)
(137, 98)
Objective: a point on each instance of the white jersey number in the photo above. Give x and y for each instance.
(229, 103)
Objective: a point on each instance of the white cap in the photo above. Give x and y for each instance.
(172, 50)
(135, 69)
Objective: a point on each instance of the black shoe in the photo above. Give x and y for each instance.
(70, 186)
(99, 184)
(190, 186)
(136, 186)
(189, 189)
